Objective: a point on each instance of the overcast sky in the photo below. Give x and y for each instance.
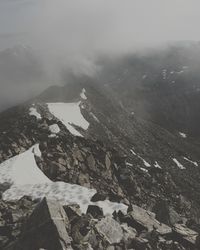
(70, 34)
(86, 25)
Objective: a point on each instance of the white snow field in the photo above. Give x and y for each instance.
(68, 114)
(25, 178)
(22, 169)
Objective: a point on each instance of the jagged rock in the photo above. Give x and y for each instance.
(98, 197)
(95, 211)
(72, 211)
(140, 243)
(80, 229)
(45, 228)
(62, 161)
(91, 162)
(12, 217)
(110, 230)
(184, 235)
(142, 219)
(166, 214)
(129, 234)
(3, 188)
(83, 180)
(78, 155)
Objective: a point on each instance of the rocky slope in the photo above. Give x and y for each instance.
(161, 86)
(83, 146)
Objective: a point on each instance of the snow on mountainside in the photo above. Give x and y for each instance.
(25, 178)
(22, 169)
(69, 114)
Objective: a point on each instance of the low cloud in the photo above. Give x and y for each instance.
(71, 34)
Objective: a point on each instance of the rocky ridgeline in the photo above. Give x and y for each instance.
(117, 157)
(28, 225)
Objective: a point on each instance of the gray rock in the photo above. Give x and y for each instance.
(91, 162)
(95, 211)
(185, 235)
(46, 228)
(110, 230)
(142, 219)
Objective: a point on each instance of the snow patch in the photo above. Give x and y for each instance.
(129, 164)
(145, 162)
(156, 165)
(33, 112)
(193, 162)
(144, 170)
(52, 136)
(36, 150)
(54, 129)
(178, 163)
(82, 94)
(183, 135)
(26, 178)
(22, 169)
(133, 152)
(65, 193)
(69, 114)
(94, 117)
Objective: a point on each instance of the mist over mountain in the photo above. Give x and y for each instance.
(71, 36)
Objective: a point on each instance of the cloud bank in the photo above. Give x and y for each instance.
(70, 34)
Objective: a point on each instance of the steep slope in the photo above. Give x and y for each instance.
(88, 142)
(139, 160)
(161, 86)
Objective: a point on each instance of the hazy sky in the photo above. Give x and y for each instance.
(70, 33)
(86, 25)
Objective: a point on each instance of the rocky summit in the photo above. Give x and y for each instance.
(108, 162)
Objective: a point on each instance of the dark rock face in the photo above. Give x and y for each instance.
(12, 218)
(45, 228)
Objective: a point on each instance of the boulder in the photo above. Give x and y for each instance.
(72, 211)
(110, 230)
(142, 219)
(166, 214)
(95, 211)
(185, 236)
(91, 162)
(45, 228)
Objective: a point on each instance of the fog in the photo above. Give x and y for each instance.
(71, 34)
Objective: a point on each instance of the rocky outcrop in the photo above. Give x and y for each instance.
(51, 226)
(45, 228)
